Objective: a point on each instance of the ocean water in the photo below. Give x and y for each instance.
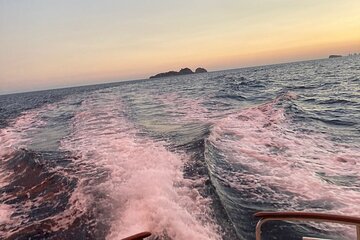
(187, 157)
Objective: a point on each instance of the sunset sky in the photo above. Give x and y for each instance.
(49, 44)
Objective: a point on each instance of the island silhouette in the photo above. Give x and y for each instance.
(183, 71)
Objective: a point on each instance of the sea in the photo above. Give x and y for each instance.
(184, 157)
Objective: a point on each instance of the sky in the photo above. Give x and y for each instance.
(49, 44)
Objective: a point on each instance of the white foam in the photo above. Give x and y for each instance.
(12, 138)
(277, 154)
(5, 213)
(16, 135)
(146, 185)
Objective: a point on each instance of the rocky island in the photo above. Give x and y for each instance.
(183, 71)
(335, 56)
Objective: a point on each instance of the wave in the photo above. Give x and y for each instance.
(117, 173)
(336, 101)
(145, 187)
(251, 151)
(259, 159)
(39, 190)
(336, 122)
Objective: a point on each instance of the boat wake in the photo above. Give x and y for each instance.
(144, 188)
(259, 159)
(39, 194)
(108, 166)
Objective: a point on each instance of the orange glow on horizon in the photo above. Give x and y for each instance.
(97, 48)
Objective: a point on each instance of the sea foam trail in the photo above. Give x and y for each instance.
(146, 184)
(11, 139)
(5, 213)
(276, 156)
(19, 162)
(302, 169)
(16, 135)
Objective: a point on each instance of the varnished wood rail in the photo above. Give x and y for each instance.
(138, 236)
(305, 216)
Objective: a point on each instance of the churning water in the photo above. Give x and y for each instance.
(189, 157)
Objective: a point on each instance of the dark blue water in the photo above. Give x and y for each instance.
(188, 157)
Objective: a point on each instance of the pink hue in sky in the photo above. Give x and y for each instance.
(49, 44)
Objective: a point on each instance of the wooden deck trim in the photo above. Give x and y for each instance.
(325, 217)
(138, 236)
(305, 216)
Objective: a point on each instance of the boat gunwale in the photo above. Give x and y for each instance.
(305, 216)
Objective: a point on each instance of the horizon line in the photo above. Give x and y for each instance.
(143, 79)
